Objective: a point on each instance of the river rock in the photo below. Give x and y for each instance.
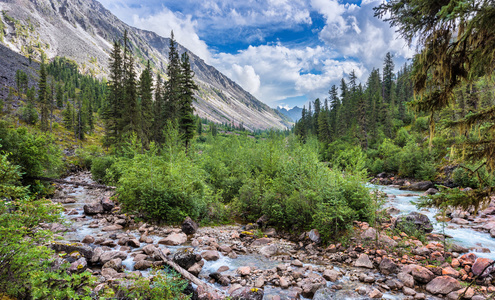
(114, 227)
(375, 294)
(269, 250)
(324, 293)
(421, 186)
(247, 293)
(443, 285)
(244, 271)
(311, 284)
(107, 204)
(483, 264)
(89, 239)
(387, 241)
(225, 249)
(421, 274)
(449, 271)
(115, 264)
(331, 275)
(369, 234)
(69, 247)
(364, 261)
(419, 220)
(387, 266)
(174, 239)
(139, 257)
(186, 258)
(210, 255)
(78, 266)
(431, 191)
(460, 221)
(196, 268)
(467, 259)
(406, 279)
(314, 236)
(93, 209)
(261, 242)
(111, 274)
(143, 265)
(109, 255)
(189, 226)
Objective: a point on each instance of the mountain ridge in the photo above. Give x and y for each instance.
(84, 31)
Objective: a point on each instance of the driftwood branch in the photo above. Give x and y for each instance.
(186, 274)
(98, 186)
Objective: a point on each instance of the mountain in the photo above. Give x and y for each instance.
(84, 31)
(294, 113)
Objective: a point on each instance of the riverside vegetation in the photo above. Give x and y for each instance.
(310, 179)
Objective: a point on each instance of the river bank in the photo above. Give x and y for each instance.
(240, 260)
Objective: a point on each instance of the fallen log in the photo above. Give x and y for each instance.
(97, 186)
(205, 287)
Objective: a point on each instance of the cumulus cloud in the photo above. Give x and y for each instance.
(246, 77)
(350, 39)
(353, 31)
(287, 72)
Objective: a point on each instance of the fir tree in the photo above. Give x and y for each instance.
(43, 97)
(146, 95)
(186, 111)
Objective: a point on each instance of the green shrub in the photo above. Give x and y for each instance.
(26, 264)
(35, 154)
(100, 166)
(161, 189)
(160, 285)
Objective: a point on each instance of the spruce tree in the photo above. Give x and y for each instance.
(146, 95)
(158, 112)
(130, 112)
(112, 111)
(172, 86)
(187, 124)
(43, 98)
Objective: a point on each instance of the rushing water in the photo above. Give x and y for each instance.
(462, 235)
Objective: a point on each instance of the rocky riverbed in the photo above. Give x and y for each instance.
(244, 262)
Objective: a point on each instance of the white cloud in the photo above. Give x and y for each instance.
(183, 26)
(353, 31)
(284, 72)
(246, 77)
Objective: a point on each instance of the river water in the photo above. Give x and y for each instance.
(464, 236)
(461, 234)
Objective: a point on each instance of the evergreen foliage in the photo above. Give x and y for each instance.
(457, 50)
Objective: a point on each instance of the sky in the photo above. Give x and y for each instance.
(284, 52)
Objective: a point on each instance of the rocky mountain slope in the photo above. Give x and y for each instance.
(83, 30)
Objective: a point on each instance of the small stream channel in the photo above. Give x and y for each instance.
(463, 235)
(347, 285)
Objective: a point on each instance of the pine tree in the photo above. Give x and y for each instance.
(186, 110)
(68, 116)
(60, 95)
(158, 112)
(172, 86)
(130, 113)
(112, 110)
(146, 95)
(43, 98)
(388, 78)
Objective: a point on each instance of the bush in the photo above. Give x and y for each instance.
(160, 285)
(100, 166)
(161, 189)
(26, 265)
(35, 154)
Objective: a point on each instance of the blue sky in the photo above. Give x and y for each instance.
(284, 52)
